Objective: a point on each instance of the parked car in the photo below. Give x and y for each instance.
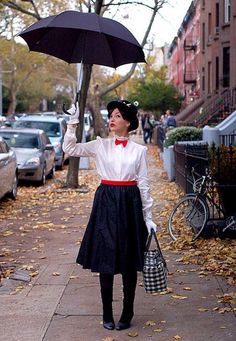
(88, 126)
(104, 114)
(34, 152)
(8, 170)
(53, 126)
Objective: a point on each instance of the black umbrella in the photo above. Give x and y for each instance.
(84, 37)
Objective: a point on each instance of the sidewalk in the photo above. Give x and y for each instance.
(63, 303)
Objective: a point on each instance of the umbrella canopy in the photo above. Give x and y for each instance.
(84, 37)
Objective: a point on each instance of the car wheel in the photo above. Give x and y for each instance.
(43, 178)
(52, 172)
(13, 193)
(62, 162)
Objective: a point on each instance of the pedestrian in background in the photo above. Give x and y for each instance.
(147, 128)
(170, 120)
(121, 217)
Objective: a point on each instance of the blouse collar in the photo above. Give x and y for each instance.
(121, 137)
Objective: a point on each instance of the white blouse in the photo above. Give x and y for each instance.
(115, 162)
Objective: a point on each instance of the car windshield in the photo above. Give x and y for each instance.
(52, 129)
(21, 140)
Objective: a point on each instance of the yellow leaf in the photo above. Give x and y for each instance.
(150, 323)
(7, 233)
(179, 297)
(133, 334)
(158, 330)
(187, 288)
(177, 337)
(33, 274)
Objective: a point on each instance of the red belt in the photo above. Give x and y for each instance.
(119, 183)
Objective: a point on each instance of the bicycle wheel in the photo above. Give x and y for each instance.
(188, 218)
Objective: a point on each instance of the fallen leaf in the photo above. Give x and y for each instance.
(7, 233)
(33, 274)
(133, 334)
(150, 323)
(56, 274)
(157, 330)
(177, 337)
(179, 297)
(202, 309)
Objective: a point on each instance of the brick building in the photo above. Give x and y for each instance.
(218, 45)
(202, 60)
(184, 56)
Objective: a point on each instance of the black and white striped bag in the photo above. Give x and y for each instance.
(154, 269)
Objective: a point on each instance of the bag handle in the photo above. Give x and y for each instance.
(153, 234)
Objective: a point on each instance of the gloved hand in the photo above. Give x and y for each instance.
(151, 225)
(74, 114)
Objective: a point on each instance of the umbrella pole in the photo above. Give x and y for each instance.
(79, 67)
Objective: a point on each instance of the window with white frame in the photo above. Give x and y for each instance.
(227, 11)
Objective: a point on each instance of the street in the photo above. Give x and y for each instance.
(46, 296)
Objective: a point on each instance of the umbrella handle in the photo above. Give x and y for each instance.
(76, 100)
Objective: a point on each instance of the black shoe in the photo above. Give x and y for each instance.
(109, 325)
(122, 325)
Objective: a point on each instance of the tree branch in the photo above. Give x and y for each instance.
(158, 5)
(133, 3)
(16, 7)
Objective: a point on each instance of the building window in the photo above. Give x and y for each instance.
(203, 79)
(217, 15)
(203, 37)
(209, 73)
(226, 67)
(209, 24)
(217, 73)
(227, 11)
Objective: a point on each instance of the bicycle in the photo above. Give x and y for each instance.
(193, 212)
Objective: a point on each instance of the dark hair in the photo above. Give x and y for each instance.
(128, 112)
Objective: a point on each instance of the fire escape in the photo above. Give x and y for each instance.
(190, 72)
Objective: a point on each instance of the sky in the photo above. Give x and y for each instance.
(165, 26)
(166, 23)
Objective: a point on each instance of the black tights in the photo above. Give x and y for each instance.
(129, 286)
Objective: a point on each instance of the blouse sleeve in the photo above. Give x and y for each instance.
(72, 148)
(143, 184)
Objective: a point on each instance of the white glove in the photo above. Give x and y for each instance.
(151, 225)
(74, 114)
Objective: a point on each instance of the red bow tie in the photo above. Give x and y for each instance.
(123, 142)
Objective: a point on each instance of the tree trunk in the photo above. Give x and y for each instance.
(95, 106)
(12, 106)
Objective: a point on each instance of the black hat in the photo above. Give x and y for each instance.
(128, 110)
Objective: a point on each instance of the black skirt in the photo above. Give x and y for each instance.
(115, 238)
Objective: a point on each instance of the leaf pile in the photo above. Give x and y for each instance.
(215, 255)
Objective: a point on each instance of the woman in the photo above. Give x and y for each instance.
(116, 234)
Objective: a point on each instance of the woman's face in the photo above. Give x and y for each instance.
(117, 124)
